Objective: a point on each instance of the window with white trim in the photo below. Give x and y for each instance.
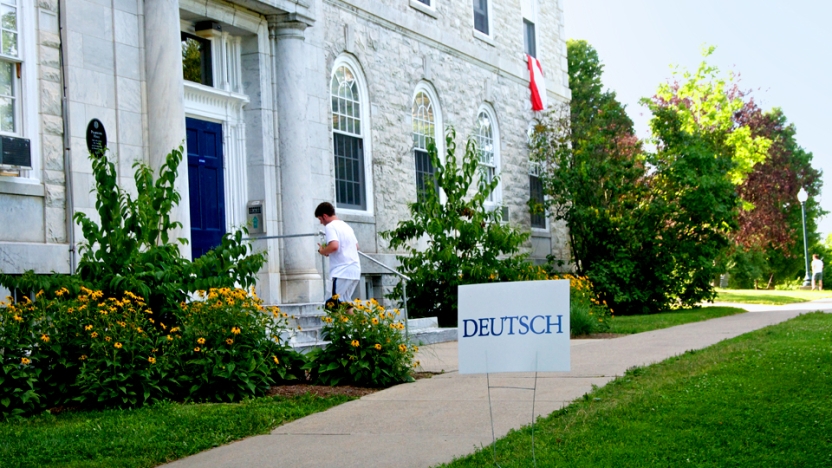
(488, 146)
(10, 68)
(528, 11)
(426, 2)
(424, 134)
(481, 16)
(348, 139)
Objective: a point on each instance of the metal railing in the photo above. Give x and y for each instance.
(321, 234)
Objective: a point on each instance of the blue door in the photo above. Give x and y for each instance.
(206, 185)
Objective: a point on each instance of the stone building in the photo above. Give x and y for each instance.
(285, 102)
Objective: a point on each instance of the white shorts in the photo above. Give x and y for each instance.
(344, 288)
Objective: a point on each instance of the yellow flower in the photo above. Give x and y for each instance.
(374, 321)
(170, 338)
(345, 319)
(94, 334)
(415, 349)
(174, 329)
(18, 318)
(196, 349)
(402, 348)
(107, 338)
(335, 296)
(139, 329)
(39, 294)
(276, 361)
(44, 338)
(83, 357)
(354, 343)
(117, 345)
(151, 360)
(200, 340)
(229, 341)
(378, 346)
(61, 292)
(235, 330)
(25, 361)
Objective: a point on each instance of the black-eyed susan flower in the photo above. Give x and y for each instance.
(25, 361)
(197, 349)
(374, 321)
(170, 338)
(83, 357)
(117, 345)
(151, 360)
(229, 341)
(402, 348)
(200, 340)
(107, 338)
(235, 330)
(275, 359)
(377, 346)
(94, 334)
(354, 343)
(17, 318)
(44, 338)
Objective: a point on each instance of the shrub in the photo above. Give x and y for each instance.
(587, 315)
(101, 352)
(467, 242)
(367, 347)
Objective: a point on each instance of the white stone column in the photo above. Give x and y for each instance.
(166, 101)
(301, 280)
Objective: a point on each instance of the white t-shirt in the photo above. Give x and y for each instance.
(817, 266)
(344, 262)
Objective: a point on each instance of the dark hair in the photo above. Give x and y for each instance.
(324, 208)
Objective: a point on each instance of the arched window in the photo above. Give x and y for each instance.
(348, 131)
(426, 127)
(488, 145)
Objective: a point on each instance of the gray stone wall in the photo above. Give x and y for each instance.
(392, 41)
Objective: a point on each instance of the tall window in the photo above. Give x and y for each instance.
(536, 196)
(488, 147)
(481, 16)
(424, 131)
(196, 59)
(529, 38)
(348, 140)
(10, 67)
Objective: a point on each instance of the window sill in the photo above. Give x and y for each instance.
(541, 232)
(485, 38)
(21, 186)
(355, 216)
(430, 11)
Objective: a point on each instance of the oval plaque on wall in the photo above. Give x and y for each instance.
(96, 137)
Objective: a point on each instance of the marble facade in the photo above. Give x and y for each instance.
(120, 61)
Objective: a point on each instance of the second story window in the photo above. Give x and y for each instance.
(196, 59)
(481, 16)
(529, 38)
(10, 67)
(348, 139)
(488, 146)
(424, 129)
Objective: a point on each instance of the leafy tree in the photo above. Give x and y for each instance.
(768, 243)
(466, 242)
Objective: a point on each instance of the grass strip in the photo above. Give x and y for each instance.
(148, 436)
(628, 324)
(776, 297)
(760, 399)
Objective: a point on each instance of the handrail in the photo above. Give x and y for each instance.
(391, 270)
(284, 236)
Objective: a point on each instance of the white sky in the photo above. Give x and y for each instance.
(781, 49)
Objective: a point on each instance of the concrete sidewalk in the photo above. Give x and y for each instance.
(431, 421)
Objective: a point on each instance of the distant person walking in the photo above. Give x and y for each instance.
(817, 272)
(342, 249)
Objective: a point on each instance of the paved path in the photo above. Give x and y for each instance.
(431, 421)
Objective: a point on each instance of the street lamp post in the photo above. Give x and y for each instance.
(802, 196)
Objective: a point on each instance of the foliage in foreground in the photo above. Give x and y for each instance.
(94, 351)
(147, 436)
(129, 248)
(367, 347)
(467, 242)
(761, 399)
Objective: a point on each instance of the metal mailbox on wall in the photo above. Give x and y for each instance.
(255, 210)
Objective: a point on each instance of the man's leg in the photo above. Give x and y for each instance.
(345, 288)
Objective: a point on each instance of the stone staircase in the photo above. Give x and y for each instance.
(307, 316)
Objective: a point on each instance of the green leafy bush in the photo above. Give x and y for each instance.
(94, 351)
(467, 242)
(367, 347)
(587, 315)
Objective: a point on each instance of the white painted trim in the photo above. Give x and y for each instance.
(28, 107)
(428, 10)
(490, 12)
(497, 141)
(350, 62)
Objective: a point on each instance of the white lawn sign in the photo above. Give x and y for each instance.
(514, 327)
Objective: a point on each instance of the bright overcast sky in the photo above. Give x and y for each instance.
(780, 48)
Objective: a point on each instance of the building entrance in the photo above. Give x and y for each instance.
(205, 177)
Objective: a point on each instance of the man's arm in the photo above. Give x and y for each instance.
(329, 248)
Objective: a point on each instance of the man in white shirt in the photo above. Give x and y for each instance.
(342, 249)
(817, 272)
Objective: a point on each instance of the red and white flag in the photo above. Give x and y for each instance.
(537, 84)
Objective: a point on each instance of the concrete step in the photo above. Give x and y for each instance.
(426, 336)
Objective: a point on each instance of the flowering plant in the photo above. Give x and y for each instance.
(587, 315)
(367, 347)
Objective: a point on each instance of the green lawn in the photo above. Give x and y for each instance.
(760, 399)
(765, 296)
(627, 324)
(147, 436)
